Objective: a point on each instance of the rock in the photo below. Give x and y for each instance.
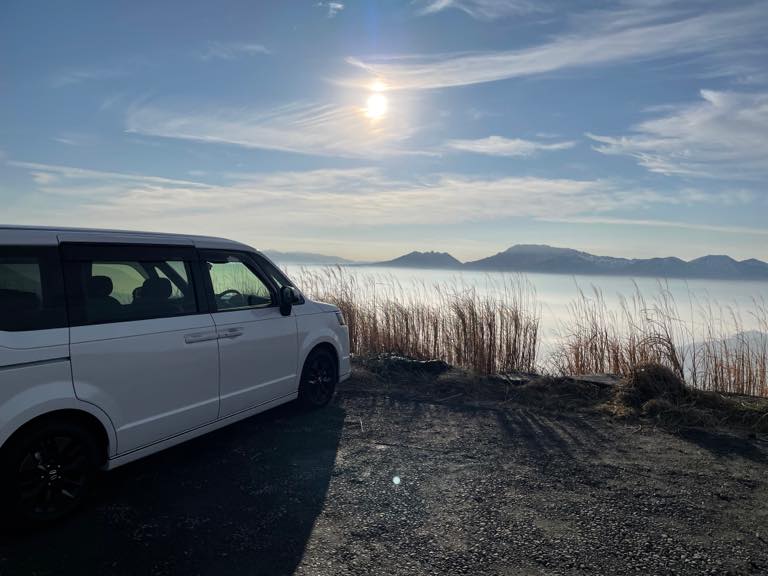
(386, 363)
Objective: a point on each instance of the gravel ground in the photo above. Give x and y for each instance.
(424, 475)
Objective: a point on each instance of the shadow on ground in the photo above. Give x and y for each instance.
(241, 500)
(723, 445)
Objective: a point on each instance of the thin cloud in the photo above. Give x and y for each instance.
(510, 147)
(77, 76)
(59, 172)
(301, 127)
(232, 50)
(724, 135)
(661, 224)
(359, 197)
(332, 8)
(486, 9)
(658, 34)
(75, 139)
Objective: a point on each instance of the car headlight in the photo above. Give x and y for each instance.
(341, 319)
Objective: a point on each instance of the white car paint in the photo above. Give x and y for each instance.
(251, 338)
(155, 383)
(147, 377)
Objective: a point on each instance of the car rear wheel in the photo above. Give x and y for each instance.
(48, 470)
(318, 379)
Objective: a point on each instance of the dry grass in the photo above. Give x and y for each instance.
(459, 324)
(711, 352)
(650, 382)
(450, 322)
(656, 392)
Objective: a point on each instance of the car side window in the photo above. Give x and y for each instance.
(235, 284)
(277, 276)
(122, 291)
(126, 278)
(31, 289)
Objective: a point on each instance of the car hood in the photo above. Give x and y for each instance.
(323, 307)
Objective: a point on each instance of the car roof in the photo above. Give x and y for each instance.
(46, 235)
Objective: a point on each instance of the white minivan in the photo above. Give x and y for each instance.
(115, 345)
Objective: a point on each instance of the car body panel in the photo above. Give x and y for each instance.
(190, 434)
(258, 363)
(33, 390)
(147, 377)
(148, 385)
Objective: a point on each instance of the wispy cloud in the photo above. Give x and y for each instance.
(75, 139)
(331, 8)
(232, 50)
(305, 128)
(486, 9)
(662, 224)
(59, 173)
(358, 197)
(609, 38)
(724, 135)
(73, 76)
(500, 146)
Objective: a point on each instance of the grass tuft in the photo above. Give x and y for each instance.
(650, 382)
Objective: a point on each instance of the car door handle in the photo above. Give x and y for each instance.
(231, 333)
(200, 337)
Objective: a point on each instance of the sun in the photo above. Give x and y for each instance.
(376, 106)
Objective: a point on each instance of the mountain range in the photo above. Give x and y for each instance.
(552, 260)
(305, 258)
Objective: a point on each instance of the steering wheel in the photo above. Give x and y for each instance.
(231, 291)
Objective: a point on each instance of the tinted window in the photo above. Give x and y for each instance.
(126, 278)
(275, 274)
(31, 294)
(236, 285)
(121, 291)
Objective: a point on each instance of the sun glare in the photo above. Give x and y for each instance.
(376, 106)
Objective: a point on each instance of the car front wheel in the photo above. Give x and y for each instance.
(318, 379)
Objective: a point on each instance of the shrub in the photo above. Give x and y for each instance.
(649, 382)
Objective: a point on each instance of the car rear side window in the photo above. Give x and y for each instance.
(109, 287)
(31, 289)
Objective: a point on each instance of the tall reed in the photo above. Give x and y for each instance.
(449, 321)
(711, 349)
(497, 330)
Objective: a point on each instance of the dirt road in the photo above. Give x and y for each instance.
(422, 479)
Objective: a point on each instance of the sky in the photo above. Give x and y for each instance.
(366, 129)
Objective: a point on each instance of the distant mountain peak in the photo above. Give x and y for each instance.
(536, 248)
(418, 259)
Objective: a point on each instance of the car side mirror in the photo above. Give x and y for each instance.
(288, 297)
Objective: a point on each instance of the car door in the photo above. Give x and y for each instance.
(257, 344)
(143, 346)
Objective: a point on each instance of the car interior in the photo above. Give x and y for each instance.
(156, 296)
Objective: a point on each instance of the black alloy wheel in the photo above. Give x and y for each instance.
(318, 379)
(49, 470)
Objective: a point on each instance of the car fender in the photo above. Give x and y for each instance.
(316, 335)
(38, 400)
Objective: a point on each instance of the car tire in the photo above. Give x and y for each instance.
(48, 470)
(318, 379)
